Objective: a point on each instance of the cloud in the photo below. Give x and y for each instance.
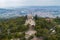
(15, 3)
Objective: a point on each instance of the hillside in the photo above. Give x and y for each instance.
(15, 28)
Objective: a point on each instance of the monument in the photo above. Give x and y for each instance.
(30, 21)
(31, 24)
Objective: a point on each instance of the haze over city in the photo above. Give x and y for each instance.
(18, 3)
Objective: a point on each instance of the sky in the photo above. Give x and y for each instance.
(18, 3)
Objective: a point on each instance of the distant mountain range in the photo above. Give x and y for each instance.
(41, 11)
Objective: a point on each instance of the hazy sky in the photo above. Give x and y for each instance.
(17, 3)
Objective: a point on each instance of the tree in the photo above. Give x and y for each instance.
(36, 17)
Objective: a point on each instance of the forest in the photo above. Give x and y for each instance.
(49, 28)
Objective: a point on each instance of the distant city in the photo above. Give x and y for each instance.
(41, 11)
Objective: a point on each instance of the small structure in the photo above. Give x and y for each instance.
(49, 19)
